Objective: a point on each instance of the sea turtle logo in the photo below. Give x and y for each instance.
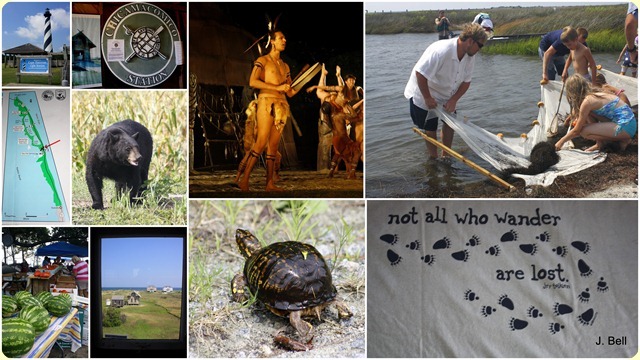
(145, 43)
(142, 45)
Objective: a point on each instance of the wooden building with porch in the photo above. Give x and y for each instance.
(134, 298)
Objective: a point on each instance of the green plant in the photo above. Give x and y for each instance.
(111, 317)
(345, 236)
(297, 218)
(229, 209)
(201, 278)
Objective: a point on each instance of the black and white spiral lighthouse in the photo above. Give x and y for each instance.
(48, 45)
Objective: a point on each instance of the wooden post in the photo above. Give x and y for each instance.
(466, 161)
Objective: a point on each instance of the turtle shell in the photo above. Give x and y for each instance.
(289, 276)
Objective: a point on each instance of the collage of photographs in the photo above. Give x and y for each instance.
(188, 179)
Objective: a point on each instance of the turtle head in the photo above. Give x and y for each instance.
(247, 242)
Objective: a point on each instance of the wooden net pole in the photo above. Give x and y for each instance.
(466, 161)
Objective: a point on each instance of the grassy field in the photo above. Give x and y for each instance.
(605, 24)
(164, 113)
(157, 316)
(9, 77)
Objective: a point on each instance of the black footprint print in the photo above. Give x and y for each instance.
(554, 328)
(510, 235)
(602, 285)
(494, 250)
(443, 243)
(414, 245)
(587, 317)
(462, 255)
(561, 309)
(474, 241)
(533, 312)
(584, 296)
(582, 246)
(470, 295)
(529, 248)
(389, 238)
(585, 270)
(506, 302)
(487, 310)
(394, 258)
(560, 250)
(428, 259)
(544, 237)
(517, 324)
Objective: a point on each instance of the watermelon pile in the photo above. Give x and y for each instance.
(18, 333)
(18, 337)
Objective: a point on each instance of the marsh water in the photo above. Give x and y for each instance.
(502, 98)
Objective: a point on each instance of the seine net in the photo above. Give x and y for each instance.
(505, 152)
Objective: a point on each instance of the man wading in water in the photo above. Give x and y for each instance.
(441, 77)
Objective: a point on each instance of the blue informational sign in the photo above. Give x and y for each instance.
(34, 65)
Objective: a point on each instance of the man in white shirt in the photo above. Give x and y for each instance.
(441, 77)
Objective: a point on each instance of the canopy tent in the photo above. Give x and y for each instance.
(62, 249)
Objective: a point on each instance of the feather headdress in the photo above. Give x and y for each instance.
(271, 25)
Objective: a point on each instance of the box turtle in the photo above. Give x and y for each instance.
(291, 278)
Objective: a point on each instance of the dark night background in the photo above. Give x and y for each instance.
(315, 32)
(329, 33)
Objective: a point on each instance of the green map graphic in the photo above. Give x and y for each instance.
(32, 190)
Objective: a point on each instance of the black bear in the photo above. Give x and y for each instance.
(121, 152)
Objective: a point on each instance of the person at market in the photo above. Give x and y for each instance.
(46, 261)
(436, 80)
(615, 121)
(81, 274)
(57, 261)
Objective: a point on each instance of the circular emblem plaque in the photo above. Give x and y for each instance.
(139, 44)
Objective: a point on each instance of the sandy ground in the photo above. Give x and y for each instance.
(221, 328)
(296, 184)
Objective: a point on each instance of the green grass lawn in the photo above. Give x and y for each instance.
(157, 316)
(9, 77)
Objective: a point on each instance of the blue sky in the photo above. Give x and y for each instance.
(140, 262)
(23, 22)
(442, 5)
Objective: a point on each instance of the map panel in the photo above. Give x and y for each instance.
(32, 191)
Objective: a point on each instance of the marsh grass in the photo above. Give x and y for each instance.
(604, 41)
(507, 20)
(164, 113)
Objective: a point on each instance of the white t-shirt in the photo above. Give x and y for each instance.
(440, 65)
